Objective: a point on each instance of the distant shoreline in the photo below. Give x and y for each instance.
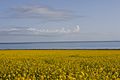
(59, 49)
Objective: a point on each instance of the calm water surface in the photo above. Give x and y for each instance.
(63, 45)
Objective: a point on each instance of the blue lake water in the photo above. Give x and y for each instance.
(63, 45)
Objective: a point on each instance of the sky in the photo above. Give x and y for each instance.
(59, 20)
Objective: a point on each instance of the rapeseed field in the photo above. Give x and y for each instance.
(59, 64)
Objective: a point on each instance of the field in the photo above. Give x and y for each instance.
(59, 64)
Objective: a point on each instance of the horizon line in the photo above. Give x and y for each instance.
(57, 42)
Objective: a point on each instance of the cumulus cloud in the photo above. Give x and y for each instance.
(43, 13)
(39, 32)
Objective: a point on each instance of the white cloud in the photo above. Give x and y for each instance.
(31, 29)
(43, 13)
(36, 31)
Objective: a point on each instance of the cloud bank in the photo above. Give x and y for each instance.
(37, 12)
(39, 32)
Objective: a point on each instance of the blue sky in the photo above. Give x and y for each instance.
(53, 20)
